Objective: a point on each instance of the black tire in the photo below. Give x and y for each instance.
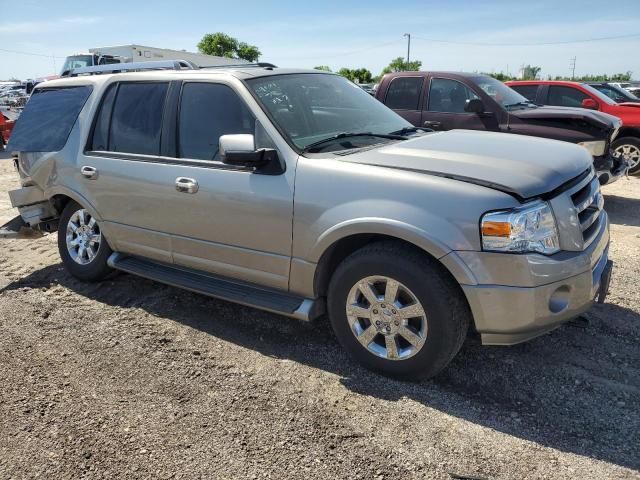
(96, 269)
(633, 142)
(447, 313)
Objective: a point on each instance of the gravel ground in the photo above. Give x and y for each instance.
(134, 379)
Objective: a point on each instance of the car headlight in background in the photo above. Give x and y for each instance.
(530, 228)
(596, 148)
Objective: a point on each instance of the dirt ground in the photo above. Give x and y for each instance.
(134, 379)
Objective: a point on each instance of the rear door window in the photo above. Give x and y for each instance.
(136, 121)
(404, 93)
(47, 120)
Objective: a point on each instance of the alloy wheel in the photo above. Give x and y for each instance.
(630, 153)
(386, 318)
(83, 237)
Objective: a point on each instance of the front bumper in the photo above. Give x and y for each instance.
(562, 289)
(609, 168)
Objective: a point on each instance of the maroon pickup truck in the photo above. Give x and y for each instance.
(450, 100)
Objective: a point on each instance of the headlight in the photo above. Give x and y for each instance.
(595, 148)
(530, 228)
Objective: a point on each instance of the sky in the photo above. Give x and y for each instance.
(459, 35)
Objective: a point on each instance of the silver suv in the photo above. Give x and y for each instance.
(296, 192)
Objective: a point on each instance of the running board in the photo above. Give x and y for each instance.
(233, 291)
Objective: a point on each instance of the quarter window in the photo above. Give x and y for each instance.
(450, 96)
(136, 121)
(208, 111)
(565, 96)
(404, 93)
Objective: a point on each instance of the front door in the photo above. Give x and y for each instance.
(444, 106)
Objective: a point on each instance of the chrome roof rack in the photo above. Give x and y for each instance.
(131, 67)
(244, 65)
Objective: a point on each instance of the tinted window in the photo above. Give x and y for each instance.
(449, 96)
(208, 111)
(565, 96)
(47, 120)
(404, 93)
(527, 91)
(100, 139)
(136, 121)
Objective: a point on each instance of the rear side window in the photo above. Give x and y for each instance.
(208, 111)
(47, 120)
(404, 93)
(527, 91)
(136, 120)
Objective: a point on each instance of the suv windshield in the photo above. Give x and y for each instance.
(507, 97)
(310, 107)
(599, 95)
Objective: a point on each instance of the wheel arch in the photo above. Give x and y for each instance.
(60, 196)
(628, 131)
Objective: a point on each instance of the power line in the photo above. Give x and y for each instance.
(531, 44)
(29, 53)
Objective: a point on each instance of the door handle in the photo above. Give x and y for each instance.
(89, 172)
(186, 185)
(434, 125)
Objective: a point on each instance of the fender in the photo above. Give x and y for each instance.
(75, 196)
(380, 226)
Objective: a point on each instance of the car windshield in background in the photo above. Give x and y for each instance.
(309, 108)
(77, 61)
(47, 120)
(599, 95)
(505, 96)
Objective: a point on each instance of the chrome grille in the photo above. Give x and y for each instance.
(589, 202)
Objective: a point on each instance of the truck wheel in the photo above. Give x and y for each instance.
(397, 311)
(629, 148)
(83, 249)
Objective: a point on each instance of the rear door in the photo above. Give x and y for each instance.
(404, 96)
(445, 103)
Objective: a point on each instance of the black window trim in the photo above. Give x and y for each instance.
(169, 124)
(427, 97)
(420, 93)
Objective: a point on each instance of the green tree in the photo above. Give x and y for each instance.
(361, 75)
(503, 77)
(530, 72)
(223, 45)
(324, 68)
(400, 65)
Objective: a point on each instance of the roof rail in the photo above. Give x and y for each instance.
(244, 65)
(131, 67)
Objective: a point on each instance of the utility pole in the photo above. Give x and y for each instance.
(572, 66)
(408, 35)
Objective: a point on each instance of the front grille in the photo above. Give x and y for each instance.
(588, 202)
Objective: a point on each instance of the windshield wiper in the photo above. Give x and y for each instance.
(528, 103)
(338, 136)
(405, 130)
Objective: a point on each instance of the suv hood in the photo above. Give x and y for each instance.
(521, 166)
(598, 119)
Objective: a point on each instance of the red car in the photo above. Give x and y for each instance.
(6, 126)
(574, 94)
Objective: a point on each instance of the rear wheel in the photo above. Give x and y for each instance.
(629, 149)
(83, 249)
(397, 311)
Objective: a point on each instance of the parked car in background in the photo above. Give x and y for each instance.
(574, 94)
(296, 192)
(6, 127)
(615, 93)
(448, 100)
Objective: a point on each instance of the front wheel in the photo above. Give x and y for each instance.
(629, 149)
(397, 311)
(83, 249)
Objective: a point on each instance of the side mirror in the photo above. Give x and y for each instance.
(474, 105)
(239, 150)
(590, 103)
